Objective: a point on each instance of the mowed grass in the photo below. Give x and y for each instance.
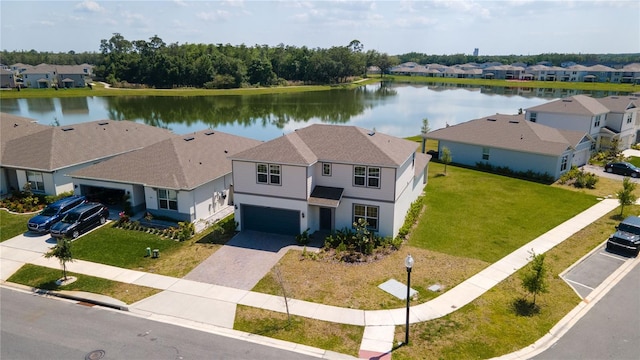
(39, 277)
(127, 249)
(490, 326)
(12, 225)
(340, 338)
(484, 216)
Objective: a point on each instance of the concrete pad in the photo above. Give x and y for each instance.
(378, 317)
(379, 333)
(255, 299)
(190, 287)
(399, 316)
(129, 276)
(457, 297)
(25, 256)
(340, 315)
(425, 312)
(485, 280)
(93, 269)
(156, 281)
(8, 268)
(303, 308)
(224, 293)
(32, 242)
(199, 309)
(397, 289)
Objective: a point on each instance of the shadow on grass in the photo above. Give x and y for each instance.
(524, 307)
(49, 285)
(274, 327)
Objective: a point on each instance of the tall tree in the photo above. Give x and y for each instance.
(626, 195)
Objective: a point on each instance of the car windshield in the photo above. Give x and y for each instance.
(70, 217)
(49, 211)
(628, 228)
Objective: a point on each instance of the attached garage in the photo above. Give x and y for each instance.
(271, 220)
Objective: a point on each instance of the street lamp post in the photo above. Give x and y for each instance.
(408, 262)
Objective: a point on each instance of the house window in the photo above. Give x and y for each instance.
(563, 164)
(597, 123)
(366, 176)
(168, 199)
(326, 169)
(533, 116)
(368, 213)
(268, 174)
(36, 180)
(485, 153)
(629, 118)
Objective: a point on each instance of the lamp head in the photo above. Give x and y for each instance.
(408, 261)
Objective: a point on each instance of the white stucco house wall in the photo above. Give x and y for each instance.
(185, 178)
(511, 141)
(326, 177)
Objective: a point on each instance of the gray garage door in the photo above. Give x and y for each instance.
(272, 220)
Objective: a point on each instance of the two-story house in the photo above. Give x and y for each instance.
(326, 177)
(7, 79)
(623, 119)
(70, 76)
(40, 76)
(579, 113)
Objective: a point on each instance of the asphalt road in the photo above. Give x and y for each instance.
(610, 330)
(34, 327)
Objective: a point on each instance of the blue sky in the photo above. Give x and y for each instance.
(519, 27)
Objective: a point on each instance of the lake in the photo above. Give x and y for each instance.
(394, 109)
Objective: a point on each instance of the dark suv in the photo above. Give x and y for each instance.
(627, 236)
(53, 213)
(80, 219)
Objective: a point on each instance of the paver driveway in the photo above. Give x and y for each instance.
(243, 260)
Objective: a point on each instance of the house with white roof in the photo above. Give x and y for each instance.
(186, 178)
(326, 177)
(511, 141)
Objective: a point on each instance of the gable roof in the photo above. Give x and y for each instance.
(14, 127)
(180, 162)
(332, 143)
(620, 104)
(576, 105)
(58, 147)
(511, 132)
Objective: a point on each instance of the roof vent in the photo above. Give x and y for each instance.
(67, 129)
(103, 123)
(633, 98)
(209, 133)
(226, 151)
(514, 122)
(371, 133)
(490, 119)
(567, 100)
(189, 138)
(614, 97)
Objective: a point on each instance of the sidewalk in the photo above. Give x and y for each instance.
(213, 306)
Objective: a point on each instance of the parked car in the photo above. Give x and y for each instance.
(627, 236)
(622, 168)
(80, 219)
(53, 212)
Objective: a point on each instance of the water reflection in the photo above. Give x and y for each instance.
(393, 108)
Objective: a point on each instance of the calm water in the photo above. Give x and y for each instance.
(396, 109)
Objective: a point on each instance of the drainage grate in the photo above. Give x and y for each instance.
(95, 355)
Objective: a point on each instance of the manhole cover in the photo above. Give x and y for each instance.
(95, 355)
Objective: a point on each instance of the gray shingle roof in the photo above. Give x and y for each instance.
(181, 162)
(332, 143)
(58, 147)
(577, 104)
(511, 132)
(620, 103)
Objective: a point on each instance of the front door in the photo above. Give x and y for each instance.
(325, 218)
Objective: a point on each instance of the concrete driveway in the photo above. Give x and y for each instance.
(244, 260)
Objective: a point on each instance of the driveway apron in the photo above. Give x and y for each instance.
(243, 260)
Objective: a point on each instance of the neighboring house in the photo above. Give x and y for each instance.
(326, 177)
(44, 156)
(7, 79)
(186, 178)
(579, 113)
(511, 141)
(70, 76)
(40, 76)
(623, 119)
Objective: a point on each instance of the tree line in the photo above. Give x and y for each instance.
(155, 63)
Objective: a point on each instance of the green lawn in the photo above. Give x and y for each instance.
(485, 216)
(12, 224)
